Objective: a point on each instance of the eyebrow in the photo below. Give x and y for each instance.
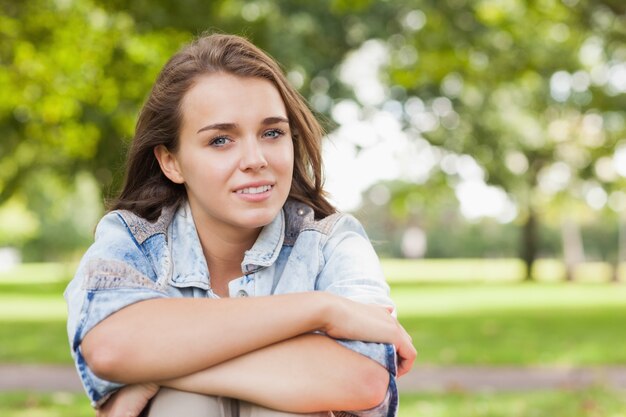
(232, 126)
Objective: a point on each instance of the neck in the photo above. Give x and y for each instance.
(225, 252)
(224, 248)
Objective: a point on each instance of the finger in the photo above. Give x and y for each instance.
(406, 358)
(101, 412)
(402, 369)
(405, 365)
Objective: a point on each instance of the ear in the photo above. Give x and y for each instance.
(169, 164)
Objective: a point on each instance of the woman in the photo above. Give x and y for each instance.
(223, 282)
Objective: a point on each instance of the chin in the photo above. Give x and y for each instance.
(259, 218)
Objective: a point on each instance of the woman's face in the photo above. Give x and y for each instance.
(236, 153)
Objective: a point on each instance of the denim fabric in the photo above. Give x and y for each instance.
(133, 260)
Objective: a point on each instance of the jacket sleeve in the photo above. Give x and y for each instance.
(352, 269)
(114, 273)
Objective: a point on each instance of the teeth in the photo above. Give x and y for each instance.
(255, 190)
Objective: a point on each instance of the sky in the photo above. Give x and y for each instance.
(388, 153)
(370, 144)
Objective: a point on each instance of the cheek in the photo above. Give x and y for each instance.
(203, 169)
(286, 158)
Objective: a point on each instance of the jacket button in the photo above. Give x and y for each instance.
(300, 212)
(242, 293)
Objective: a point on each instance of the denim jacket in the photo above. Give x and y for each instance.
(133, 260)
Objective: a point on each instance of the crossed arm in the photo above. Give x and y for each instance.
(257, 349)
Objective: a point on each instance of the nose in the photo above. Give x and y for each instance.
(252, 157)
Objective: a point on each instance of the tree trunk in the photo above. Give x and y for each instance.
(621, 247)
(529, 243)
(573, 249)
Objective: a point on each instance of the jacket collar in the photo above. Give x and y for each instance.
(189, 267)
(267, 247)
(189, 264)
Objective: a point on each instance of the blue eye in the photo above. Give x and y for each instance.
(273, 133)
(219, 141)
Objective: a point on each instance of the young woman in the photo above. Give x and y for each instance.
(223, 283)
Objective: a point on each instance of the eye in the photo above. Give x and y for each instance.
(273, 133)
(219, 141)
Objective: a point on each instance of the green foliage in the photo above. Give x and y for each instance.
(73, 74)
(72, 77)
(68, 211)
(433, 208)
(17, 224)
(516, 85)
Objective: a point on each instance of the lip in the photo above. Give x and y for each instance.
(254, 184)
(258, 197)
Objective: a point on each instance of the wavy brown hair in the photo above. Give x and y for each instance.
(147, 190)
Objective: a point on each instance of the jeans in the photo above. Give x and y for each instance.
(174, 403)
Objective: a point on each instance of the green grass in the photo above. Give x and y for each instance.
(34, 342)
(482, 315)
(490, 270)
(60, 404)
(570, 338)
(38, 273)
(586, 403)
(518, 324)
(455, 323)
(33, 314)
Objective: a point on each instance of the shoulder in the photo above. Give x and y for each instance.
(299, 217)
(120, 256)
(124, 223)
(122, 236)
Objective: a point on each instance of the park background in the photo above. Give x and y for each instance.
(481, 142)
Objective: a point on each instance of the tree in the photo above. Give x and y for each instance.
(522, 87)
(519, 86)
(73, 74)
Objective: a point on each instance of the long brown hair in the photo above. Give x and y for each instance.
(147, 190)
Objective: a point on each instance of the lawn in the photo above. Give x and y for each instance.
(455, 323)
(586, 403)
(481, 320)
(58, 404)
(518, 324)
(32, 314)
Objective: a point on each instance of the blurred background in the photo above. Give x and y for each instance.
(481, 142)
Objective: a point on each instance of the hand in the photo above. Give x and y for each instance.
(128, 401)
(347, 319)
(405, 351)
(371, 323)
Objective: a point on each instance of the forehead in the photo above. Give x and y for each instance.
(223, 97)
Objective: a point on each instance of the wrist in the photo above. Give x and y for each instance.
(325, 306)
(150, 389)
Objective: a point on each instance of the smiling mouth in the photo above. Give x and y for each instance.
(255, 190)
